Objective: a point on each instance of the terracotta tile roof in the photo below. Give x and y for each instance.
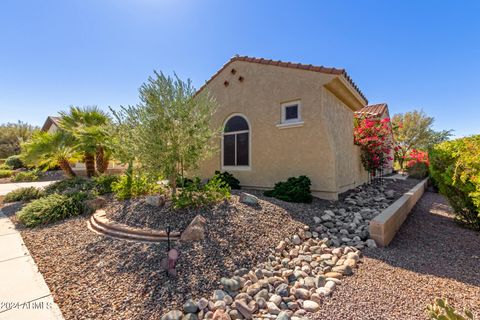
(307, 67)
(373, 109)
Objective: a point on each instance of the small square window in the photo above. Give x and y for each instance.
(291, 112)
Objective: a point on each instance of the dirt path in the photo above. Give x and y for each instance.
(430, 257)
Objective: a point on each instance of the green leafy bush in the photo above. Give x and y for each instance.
(6, 173)
(52, 208)
(228, 178)
(138, 185)
(440, 310)
(196, 195)
(418, 170)
(14, 162)
(103, 183)
(71, 185)
(455, 169)
(183, 182)
(24, 176)
(293, 190)
(24, 194)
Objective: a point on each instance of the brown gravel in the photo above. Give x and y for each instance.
(137, 213)
(92, 276)
(430, 257)
(96, 277)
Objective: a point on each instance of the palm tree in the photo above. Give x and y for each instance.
(89, 126)
(49, 150)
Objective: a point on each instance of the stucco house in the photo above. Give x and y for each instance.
(284, 119)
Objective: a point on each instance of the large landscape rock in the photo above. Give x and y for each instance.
(248, 198)
(155, 200)
(195, 230)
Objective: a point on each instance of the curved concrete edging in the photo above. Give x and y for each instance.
(101, 224)
(384, 226)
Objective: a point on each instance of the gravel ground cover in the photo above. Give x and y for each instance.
(92, 276)
(430, 257)
(138, 213)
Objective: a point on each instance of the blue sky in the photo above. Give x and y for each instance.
(411, 54)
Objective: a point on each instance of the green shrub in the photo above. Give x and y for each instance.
(138, 185)
(196, 195)
(440, 310)
(52, 208)
(3, 166)
(103, 183)
(455, 169)
(14, 162)
(6, 173)
(23, 194)
(183, 182)
(419, 170)
(24, 176)
(292, 190)
(71, 185)
(228, 178)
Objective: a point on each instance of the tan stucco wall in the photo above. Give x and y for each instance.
(322, 148)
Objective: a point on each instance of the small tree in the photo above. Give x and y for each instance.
(171, 127)
(12, 135)
(89, 127)
(374, 136)
(413, 130)
(49, 150)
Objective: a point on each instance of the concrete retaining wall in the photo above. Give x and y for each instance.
(384, 226)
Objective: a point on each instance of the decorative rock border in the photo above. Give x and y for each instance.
(297, 277)
(384, 226)
(101, 224)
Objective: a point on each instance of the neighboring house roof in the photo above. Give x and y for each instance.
(373, 110)
(51, 120)
(307, 67)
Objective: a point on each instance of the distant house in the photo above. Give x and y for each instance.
(284, 119)
(379, 111)
(51, 124)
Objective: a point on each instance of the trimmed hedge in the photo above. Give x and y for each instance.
(228, 178)
(26, 176)
(103, 184)
(292, 190)
(70, 185)
(6, 173)
(455, 169)
(14, 162)
(23, 194)
(53, 208)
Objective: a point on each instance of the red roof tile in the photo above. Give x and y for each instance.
(373, 110)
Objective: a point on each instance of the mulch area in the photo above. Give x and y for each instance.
(97, 277)
(430, 257)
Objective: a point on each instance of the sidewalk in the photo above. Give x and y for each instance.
(23, 291)
(7, 187)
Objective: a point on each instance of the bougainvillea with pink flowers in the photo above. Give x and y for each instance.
(417, 156)
(374, 136)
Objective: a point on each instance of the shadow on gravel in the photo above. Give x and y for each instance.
(430, 242)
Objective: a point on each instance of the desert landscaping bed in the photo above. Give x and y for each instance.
(431, 256)
(93, 276)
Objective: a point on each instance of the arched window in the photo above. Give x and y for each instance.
(236, 142)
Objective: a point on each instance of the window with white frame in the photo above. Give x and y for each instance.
(236, 143)
(291, 112)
